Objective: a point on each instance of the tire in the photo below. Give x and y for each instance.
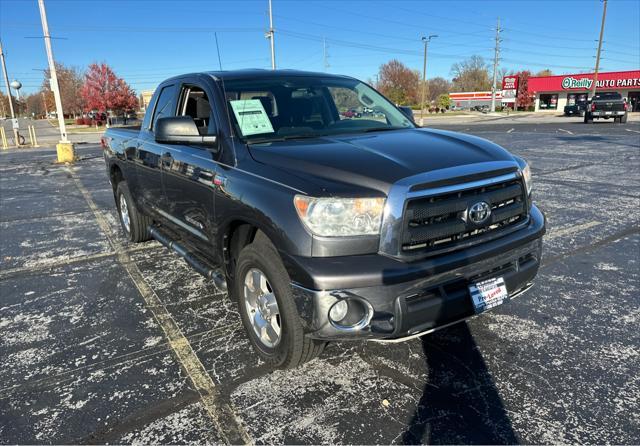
(137, 227)
(292, 347)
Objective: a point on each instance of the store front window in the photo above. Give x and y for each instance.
(573, 98)
(548, 101)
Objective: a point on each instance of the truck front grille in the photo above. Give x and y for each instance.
(441, 222)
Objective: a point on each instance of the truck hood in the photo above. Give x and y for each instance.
(375, 160)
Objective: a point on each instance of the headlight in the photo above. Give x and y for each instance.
(526, 174)
(331, 217)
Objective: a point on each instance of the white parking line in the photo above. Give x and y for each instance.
(566, 131)
(510, 130)
(634, 131)
(571, 229)
(226, 422)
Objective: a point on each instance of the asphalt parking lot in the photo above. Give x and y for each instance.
(105, 341)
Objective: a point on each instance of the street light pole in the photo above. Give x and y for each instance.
(270, 36)
(595, 72)
(426, 41)
(64, 147)
(16, 135)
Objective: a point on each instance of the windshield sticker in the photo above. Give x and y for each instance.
(251, 117)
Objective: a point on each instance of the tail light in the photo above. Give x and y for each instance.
(593, 106)
(103, 142)
(626, 106)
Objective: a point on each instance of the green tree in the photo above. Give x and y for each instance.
(443, 101)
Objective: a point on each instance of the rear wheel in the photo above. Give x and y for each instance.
(134, 224)
(268, 310)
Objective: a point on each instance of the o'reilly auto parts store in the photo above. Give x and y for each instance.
(554, 92)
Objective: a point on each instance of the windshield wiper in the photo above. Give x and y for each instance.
(382, 129)
(283, 138)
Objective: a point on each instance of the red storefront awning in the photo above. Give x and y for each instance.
(616, 80)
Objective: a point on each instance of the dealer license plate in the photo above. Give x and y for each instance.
(488, 294)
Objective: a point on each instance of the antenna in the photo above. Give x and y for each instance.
(218, 50)
(325, 55)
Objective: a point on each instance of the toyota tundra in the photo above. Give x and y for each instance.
(323, 209)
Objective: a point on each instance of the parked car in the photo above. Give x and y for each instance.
(578, 108)
(324, 228)
(607, 105)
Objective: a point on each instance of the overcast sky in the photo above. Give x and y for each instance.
(148, 41)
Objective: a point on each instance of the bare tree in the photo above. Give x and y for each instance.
(70, 80)
(471, 74)
(438, 86)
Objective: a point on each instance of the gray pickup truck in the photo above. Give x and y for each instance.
(322, 223)
(606, 106)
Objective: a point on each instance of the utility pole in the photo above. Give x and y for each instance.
(16, 135)
(426, 41)
(325, 56)
(496, 57)
(64, 148)
(270, 36)
(595, 73)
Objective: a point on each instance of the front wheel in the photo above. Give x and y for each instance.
(268, 310)
(134, 224)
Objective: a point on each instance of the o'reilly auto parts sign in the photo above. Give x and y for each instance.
(585, 83)
(571, 82)
(509, 88)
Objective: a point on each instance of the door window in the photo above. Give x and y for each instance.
(194, 102)
(164, 104)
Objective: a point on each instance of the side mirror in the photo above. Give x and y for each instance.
(181, 130)
(407, 111)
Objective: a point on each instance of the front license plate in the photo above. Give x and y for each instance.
(488, 294)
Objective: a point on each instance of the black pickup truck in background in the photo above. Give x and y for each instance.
(577, 108)
(324, 225)
(607, 105)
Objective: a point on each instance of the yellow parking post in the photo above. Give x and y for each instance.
(66, 152)
(3, 135)
(32, 136)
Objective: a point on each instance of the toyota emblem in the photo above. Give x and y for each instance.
(479, 212)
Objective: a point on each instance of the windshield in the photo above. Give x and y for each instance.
(288, 107)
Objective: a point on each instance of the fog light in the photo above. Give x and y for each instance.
(339, 310)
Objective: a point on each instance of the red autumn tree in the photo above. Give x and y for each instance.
(399, 82)
(524, 99)
(103, 91)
